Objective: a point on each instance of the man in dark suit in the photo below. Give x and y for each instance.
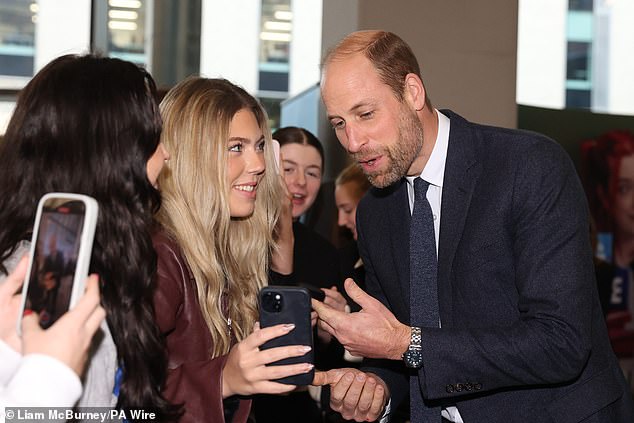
(518, 335)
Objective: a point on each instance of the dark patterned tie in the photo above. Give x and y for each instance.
(423, 289)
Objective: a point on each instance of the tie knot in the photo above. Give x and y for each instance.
(420, 187)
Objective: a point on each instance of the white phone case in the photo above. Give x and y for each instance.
(84, 253)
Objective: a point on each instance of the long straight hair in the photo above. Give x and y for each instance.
(228, 256)
(88, 125)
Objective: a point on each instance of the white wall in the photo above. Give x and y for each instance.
(541, 58)
(467, 51)
(621, 58)
(229, 41)
(63, 27)
(305, 50)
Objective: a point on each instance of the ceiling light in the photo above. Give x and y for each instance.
(275, 36)
(123, 25)
(283, 15)
(126, 4)
(123, 14)
(278, 26)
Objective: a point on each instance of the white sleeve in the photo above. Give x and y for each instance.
(9, 362)
(41, 381)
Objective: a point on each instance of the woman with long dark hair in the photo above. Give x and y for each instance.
(91, 125)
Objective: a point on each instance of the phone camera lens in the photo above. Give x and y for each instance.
(272, 302)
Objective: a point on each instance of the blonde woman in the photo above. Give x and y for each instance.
(221, 204)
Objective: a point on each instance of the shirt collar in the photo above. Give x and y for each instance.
(434, 171)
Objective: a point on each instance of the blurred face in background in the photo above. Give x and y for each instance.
(245, 163)
(623, 207)
(302, 173)
(346, 199)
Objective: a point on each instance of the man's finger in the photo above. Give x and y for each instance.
(325, 326)
(327, 313)
(330, 377)
(378, 402)
(358, 295)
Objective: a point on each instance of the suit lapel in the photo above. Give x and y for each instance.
(399, 216)
(461, 175)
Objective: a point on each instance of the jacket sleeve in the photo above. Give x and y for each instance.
(392, 372)
(194, 378)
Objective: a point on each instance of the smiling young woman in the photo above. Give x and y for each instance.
(220, 213)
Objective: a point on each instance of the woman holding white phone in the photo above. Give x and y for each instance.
(91, 125)
(225, 217)
(42, 368)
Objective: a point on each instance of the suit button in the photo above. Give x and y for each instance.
(477, 386)
(468, 386)
(459, 387)
(449, 389)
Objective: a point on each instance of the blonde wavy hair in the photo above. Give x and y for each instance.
(227, 256)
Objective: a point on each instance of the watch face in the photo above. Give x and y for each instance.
(413, 359)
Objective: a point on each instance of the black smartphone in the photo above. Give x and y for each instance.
(60, 255)
(283, 305)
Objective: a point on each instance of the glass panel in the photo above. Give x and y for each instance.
(578, 99)
(275, 38)
(580, 4)
(126, 30)
(578, 61)
(17, 37)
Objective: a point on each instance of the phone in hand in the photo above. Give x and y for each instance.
(283, 305)
(61, 248)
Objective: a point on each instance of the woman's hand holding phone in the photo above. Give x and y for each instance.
(10, 305)
(246, 371)
(69, 338)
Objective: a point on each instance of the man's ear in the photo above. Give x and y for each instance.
(414, 91)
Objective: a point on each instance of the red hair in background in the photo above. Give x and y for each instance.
(600, 163)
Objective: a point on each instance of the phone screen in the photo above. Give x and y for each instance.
(55, 258)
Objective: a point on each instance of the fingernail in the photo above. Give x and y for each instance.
(309, 367)
(360, 377)
(305, 348)
(349, 377)
(289, 326)
(27, 312)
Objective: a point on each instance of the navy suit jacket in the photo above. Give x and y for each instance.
(523, 338)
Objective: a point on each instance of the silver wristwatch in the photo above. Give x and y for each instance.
(413, 357)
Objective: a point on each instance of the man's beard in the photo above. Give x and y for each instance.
(399, 155)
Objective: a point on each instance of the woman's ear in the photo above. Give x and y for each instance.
(414, 91)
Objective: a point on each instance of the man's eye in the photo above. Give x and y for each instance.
(338, 124)
(367, 115)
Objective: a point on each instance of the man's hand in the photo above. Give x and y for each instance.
(356, 395)
(372, 332)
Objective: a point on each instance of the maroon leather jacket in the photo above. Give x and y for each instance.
(194, 378)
